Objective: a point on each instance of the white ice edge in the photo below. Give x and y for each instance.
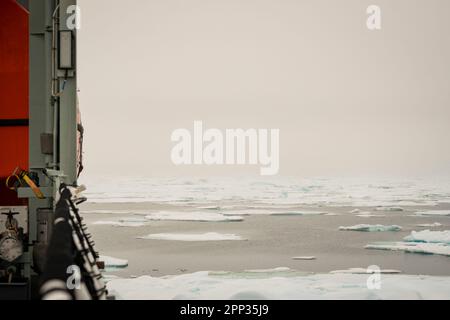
(371, 228)
(391, 209)
(422, 242)
(111, 262)
(369, 215)
(412, 247)
(192, 216)
(120, 224)
(366, 271)
(125, 222)
(428, 236)
(429, 225)
(280, 192)
(433, 213)
(197, 216)
(341, 286)
(275, 212)
(210, 236)
(307, 258)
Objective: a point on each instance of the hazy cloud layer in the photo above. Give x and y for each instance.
(346, 99)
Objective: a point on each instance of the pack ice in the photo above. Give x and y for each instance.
(279, 284)
(210, 236)
(192, 216)
(371, 228)
(424, 242)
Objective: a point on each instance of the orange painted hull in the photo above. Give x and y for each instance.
(14, 94)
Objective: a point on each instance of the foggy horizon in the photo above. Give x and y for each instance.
(347, 100)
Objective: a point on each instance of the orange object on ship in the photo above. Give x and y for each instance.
(14, 95)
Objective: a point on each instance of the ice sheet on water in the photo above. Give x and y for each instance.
(111, 262)
(370, 215)
(276, 212)
(392, 209)
(192, 216)
(371, 228)
(412, 247)
(428, 236)
(124, 224)
(259, 273)
(271, 191)
(302, 213)
(273, 270)
(114, 211)
(209, 207)
(365, 271)
(304, 258)
(424, 242)
(210, 236)
(204, 285)
(434, 213)
(429, 225)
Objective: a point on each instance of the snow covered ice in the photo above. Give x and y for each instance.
(371, 228)
(392, 209)
(423, 242)
(275, 212)
(235, 209)
(429, 236)
(365, 271)
(436, 213)
(111, 262)
(236, 286)
(370, 215)
(413, 247)
(192, 216)
(124, 222)
(210, 236)
(356, 192)
(429, 225)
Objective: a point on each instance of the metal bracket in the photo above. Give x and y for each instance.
(28, 193)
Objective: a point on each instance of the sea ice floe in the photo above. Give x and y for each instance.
(209, 208)
(429, 225)
(412, 247)
(114, 211)
(366, 271)
(397, 209)
(210, 236)
(273, 270)
(304, 258)
(433, 213)
(111, 262)
(424, 242)
(428, 236)
(192, 216)
(370, 215)
(123, 222)
(260, 273)
(302, 213)
(246, 286)
(275, 212)
(371, 228)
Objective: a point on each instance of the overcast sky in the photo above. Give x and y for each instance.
(346, 100)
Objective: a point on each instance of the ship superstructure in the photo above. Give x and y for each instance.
(45, 250)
